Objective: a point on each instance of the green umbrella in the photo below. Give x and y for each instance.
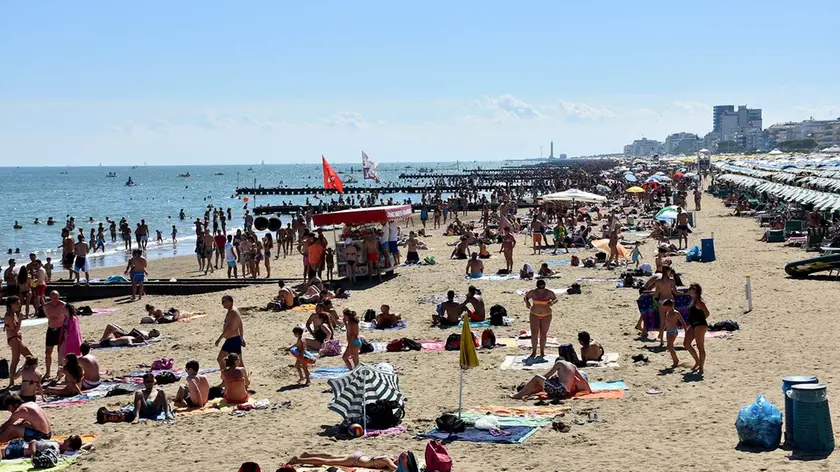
(669, 213)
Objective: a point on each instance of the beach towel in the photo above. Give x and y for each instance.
(470, 417)
(137, 377)
(370, 326)
(528, 363)
(101, 391)
(495, 277)
(372, 433)
(507, 321)
(25, 465)
(216, 405)
(709, 334)
(561, 262)
(103, 311)
(71, 336)
(29, 322)
(608, 385)
(599, 395)
(191, 316)
(650, 315)
(609, 360)
(305, 307)
(328, 372)
(599, 279)
(511, 435)
(425, 345)
(550, 341)
(546, 411)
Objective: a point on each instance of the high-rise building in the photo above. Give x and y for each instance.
(643, 147)
(728, 122)
(717, 112)
(682, 143)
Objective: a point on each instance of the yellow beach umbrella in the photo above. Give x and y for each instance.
(469, 358)
(636, 190)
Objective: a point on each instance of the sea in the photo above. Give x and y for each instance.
(159, 194)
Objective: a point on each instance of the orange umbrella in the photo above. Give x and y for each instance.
(604, 245)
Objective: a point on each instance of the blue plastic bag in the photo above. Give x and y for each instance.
(693, 254)
(760, 424)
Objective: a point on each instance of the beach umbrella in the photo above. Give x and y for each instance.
(468, 357)
(604, 245)
(669, 213)
(603, 188)
(636, 190)
(574, 194)
(678, 175)
(362, 385)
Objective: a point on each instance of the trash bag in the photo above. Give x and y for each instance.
(760, 424)
(693, 254)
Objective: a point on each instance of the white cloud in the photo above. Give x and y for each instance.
(346, 119)
(587, 112)
(693, 107)
(508, 106)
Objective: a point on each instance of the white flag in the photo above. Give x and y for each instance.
(370, 168)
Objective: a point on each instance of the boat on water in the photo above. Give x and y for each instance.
(251, 169)
(111, 174)
(218, 173)
(130, 183)
(349, 179)
(64, 172)
(185, 175)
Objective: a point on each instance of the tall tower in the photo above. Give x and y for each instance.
(551, 152)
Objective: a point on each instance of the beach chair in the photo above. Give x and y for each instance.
(794, 228)
(815, 239)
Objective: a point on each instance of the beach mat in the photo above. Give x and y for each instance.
(470, 417)
(562, 262)
(650, 316)
(328, 372)
(137, 377)
(608, 385)
(550, 342)
(25, 465)
(547, 411)
(478, 324)
(426, 346)
(304, 307)
(103, 311)
(371, 326)
(132, 346)
(599, 395)
(29, 322)
(609, 360)
(101, 391)
(512, 435)
(526, 363)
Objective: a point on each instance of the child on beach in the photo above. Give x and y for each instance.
(673, 320)
(329, 258)
(30, 384)
(49, 268)
(354, 344)
(174, 234)
(636, 255)
(300, 365)
(159, 236)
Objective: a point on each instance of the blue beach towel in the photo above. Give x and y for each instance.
(514, 435)
(328, 372)
(562, 262)
(609, 385)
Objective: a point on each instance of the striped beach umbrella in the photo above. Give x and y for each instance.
(362, 385)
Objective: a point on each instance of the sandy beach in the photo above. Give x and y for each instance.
(690, 425)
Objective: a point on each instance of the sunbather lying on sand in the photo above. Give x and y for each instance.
(561, 381)
(357, 459)
(116, 336)
(19, 448)
(158, 316)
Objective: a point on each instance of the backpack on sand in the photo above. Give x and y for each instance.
(575, 261)
(497, 315)
(488, 339)
(437, 458)
(407, 462)
(44, 459)
(453, 342)
(366, 346)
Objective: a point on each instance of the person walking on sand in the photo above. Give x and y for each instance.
(136, 270)
(56, 312)
(354, 343)
(508, 243)
(698, 314)
(233, 333)
(673, 321)
(81, 264)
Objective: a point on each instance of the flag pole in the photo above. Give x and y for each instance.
(460, 393)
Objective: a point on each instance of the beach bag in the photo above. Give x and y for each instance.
(497, 315)
(163, 364)
(437, 458)
(411, 344)
(104, 415)
(760, 424)
(574, 289)
(448, 423)
(503, 272)
(384, 414)
(331, 348)
(600, 256)
(369, 315)
(589, 262)
(4, 369)
(366, 346)
(488, 339)
(84, 311)
(453, 342)
(407, 462)
(396, 345)
(575, 261)
(166, 378)
(725, 325)
(693, 254)
(44, 459)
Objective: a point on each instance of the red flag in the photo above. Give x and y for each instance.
(331, 179)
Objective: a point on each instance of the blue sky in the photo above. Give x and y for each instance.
(222, 82)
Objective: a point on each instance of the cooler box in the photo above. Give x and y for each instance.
(707, 250)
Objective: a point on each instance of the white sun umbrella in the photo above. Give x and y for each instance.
(574, 194)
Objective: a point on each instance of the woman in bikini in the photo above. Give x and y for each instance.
(236, 380)
(358, 459)
(13, 336)
(268, 245)
(73, 375)
(319, 327)
(354, 343)
(30, 383)
(696, 332)
(539, 301)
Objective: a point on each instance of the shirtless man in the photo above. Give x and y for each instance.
(67, 248)
(412, 256)
(697, 197)
(10, 277)
(81, 265)
(461, 250)
(209, 249)
(385, 319)
(351, 258)
(372, 249)
(589, 351)
(663, 287)
(563, 379)
(233, 333)
(136, 269)
(196, 392)
(90, 368)
(508, 243)
(28, 421)
(56, 313)
(475, 299)
(286, 295)
(357, 459)
(682, 226)
(475, 268)
(449, 312)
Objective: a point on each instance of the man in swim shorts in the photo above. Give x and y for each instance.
(475, 268)
(196, 392)
(90, 368)
(230, 257)
(81, 264)
(372, 250)
(27, 421)
(233, 333)
(56, 312)
(682, 226)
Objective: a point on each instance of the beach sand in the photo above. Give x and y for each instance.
(792, 331)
